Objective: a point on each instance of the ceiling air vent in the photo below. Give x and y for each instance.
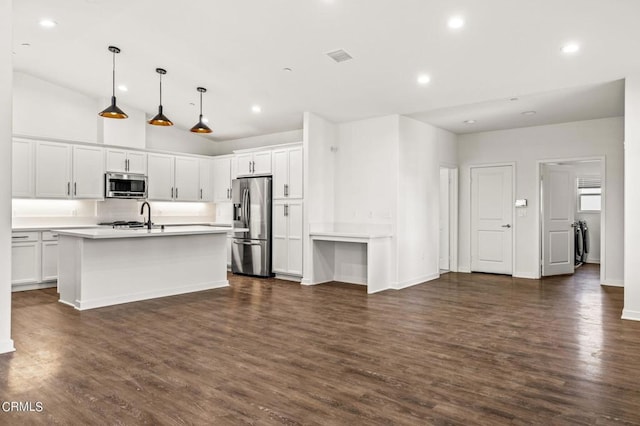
(339, 55)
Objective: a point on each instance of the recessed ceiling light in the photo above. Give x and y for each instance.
(25, 44)
(257, 109)
(456, 22)
(514, 99)
(123, 88)
(287, 69)
(192, 104)
(529, 113)
(469, 121)
(423, 79)
(48, 23)
(570, 48)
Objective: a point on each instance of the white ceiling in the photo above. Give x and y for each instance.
(238, 49)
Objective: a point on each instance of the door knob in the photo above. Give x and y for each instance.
(506, 226)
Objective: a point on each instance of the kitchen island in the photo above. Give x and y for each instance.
(102, 266)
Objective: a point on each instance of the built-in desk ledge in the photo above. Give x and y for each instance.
(349, 230)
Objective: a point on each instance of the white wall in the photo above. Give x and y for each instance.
(525, 147)
(631, 198)
(227, 147)
(129, 133)
(418, 212)
(41, 108)
(6, 77)
(447, 147)
(176, 139)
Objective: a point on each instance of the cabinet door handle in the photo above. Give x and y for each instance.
(228, 195)
(201, 193)
(68, 188)
(19, 237)
(75, 188)
(286, 209)
(128, 166)
(286, 190)
(172, 192)
(176, 193)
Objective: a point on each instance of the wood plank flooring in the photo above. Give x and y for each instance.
(465, 349)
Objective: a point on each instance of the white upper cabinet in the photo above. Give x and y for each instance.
(22, 178)
(123, 161)
(187, 179)
(88, 172)
(253, 163)
(53, 170)
(221, 179)
(206, 181)
(287, 173)
(160, 175)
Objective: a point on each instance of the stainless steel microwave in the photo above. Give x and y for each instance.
(125, 185)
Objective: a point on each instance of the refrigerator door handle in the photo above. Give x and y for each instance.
(246, 244)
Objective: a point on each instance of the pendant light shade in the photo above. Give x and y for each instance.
(112, 111)
(160, 119)
(200, 127)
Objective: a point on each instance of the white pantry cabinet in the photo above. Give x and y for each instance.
(173, 178)
(68, 171)
(124, 161)
(287, 237)
(253, 163)
(287, 173)
(22, 184)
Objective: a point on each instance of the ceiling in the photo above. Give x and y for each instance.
(238, 50)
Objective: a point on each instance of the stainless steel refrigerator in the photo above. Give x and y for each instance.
(251, 247)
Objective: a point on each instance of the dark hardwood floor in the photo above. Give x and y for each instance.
(468, 349)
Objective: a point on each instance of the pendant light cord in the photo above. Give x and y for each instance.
(160, 89)
(200, 106)
(113, 80)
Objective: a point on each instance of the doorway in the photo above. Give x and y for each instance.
(571, 214)
(492, 224)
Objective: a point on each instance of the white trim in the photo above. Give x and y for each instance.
(307, 281)
(526, 275)
(6, 346)
(135, 297)
(464, 270)
(513, 210)
(33, 286)
(286, 277)
(415, 281)
(268, 147)
(613, 283)
(628, 314)
(453, 216)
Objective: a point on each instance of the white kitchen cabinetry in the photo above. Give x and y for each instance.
(68, 171)
(253, 163)
(123, 161)
(22, 185)
(88, 172)
(287, 173)
(206, 183)
(160, 173)
(187, 179)
(287, 237)
(25, 258)
(49, 256)
(53, 170)
(174, 178)
(221, 179)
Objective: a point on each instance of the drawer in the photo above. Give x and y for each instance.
(49, 236)
(21, 237)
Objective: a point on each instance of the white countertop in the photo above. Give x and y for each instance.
(343, 234)
(54, 227)
(168, 231)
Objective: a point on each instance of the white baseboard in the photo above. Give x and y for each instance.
(613, 283)
(135, 297)
(414, 281)
(464, 270)
(526, 275)
(6, 346)
(628, 314)
(285, 277)
(596, 261)
(36, 286)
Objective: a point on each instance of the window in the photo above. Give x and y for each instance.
(589, 194)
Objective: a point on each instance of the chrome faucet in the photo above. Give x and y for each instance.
(148, 213)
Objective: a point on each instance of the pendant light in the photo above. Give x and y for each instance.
(160, 119)
(112, 111)
(201, 127)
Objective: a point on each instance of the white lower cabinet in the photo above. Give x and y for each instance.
(287, 237)
(34, 260)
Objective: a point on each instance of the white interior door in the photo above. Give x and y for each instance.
(558, 215)
(491, 219)
(444, 220)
